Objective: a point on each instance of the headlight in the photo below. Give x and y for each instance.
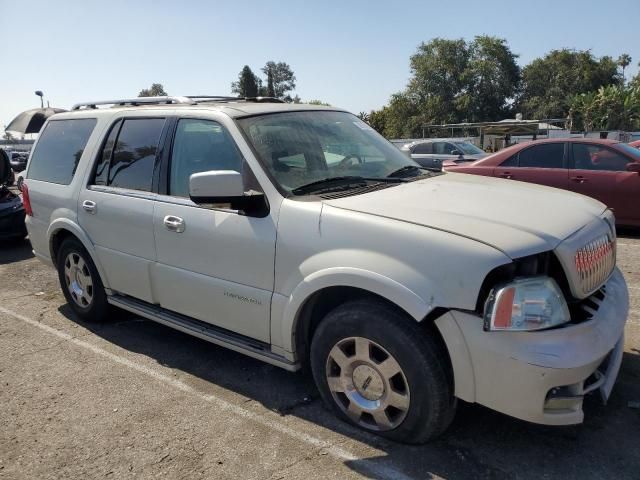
(532, 303)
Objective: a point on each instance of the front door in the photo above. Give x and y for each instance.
(213, 264)
(600, 172)
(116, 208)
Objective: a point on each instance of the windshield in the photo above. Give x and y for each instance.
(298, 148)
(634, 152)
(468, 148)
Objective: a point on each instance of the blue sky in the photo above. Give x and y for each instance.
(352, 54)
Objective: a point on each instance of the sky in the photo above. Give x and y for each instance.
(351, 54)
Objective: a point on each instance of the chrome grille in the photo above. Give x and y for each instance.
(594, 263)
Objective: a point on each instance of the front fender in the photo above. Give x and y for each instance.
(290, 307)
(65, 224)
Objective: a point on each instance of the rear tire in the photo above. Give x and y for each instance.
(377, 369)
(81, 283)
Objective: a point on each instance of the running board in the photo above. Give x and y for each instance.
(206, 331)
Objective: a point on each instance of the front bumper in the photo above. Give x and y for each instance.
(541, 376)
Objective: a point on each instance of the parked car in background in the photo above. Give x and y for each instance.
(19, 160)
(12, 212)
(635, 144)
(433, 152)
(606, 170)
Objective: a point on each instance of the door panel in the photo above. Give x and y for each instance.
(214, 265)
(222, 263)
(600, 173)
(552, 177)
(121, 228)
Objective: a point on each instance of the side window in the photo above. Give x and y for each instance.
(423, 148)
(439, 148)
(512, 161)
(134, 154)
(199, 146)
(595, 157)
(546, 155)
(102, 168)
(59, 150)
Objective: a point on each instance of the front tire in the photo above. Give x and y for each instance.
(379, 371)
(81, 283)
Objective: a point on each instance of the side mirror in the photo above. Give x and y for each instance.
(633, 167)
(226, 186)
(456, 152)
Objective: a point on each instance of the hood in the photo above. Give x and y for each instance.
(516, 218)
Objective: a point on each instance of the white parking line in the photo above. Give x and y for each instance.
(377, 471)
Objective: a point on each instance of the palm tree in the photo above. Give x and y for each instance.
(624, 61)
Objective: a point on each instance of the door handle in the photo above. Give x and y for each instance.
(174, 224)
(506, 175)
(89, 206)
(579, 179)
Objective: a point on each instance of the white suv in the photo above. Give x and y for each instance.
(297, 235)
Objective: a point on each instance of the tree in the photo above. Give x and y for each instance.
(280, 80)
(8, 136)
(491, 79)
(624, 61)
(611, 107)
(549, 82)
(452, 81)
(247, 84)
(156, 90)
(317, 102)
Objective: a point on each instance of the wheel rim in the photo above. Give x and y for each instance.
(368, 384)
(78, 279)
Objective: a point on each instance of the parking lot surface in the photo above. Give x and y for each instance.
(133, 399)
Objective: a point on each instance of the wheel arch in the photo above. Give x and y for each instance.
(62, 229)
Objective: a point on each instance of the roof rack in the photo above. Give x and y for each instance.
(216, 98)
(135, 101)
(187, 100)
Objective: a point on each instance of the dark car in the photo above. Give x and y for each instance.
(18, 161)
(606, 170)
(12, 211)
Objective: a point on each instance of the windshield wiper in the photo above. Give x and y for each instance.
(327, 183)
(402, 170)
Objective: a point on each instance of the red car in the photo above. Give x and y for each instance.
(606, 170)
(635, 144)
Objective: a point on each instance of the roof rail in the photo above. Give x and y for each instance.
(136, 101)
(216, 98)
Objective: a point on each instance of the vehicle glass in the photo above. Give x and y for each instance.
(512, 161)
(629, 150)
(298, 148)
(595, 157)
(102, 168)
(199, 146)
(443, 148)
(59, 149)
(423, 148)
(134, 155)
(547, 155)
(468, 148)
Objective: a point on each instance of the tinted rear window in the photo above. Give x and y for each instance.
(59, 149)
(547, 155)
(134, 155)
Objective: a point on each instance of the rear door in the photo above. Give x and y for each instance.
(116, 207)
(544, 163)
(600, 172)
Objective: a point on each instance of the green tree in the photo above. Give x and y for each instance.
(247, 84)
(280, 80)
(156, 90)
(624, 61)
(549, 82)
(317, 102)
(611, 107)
(491, 80)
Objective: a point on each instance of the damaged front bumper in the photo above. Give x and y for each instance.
(541, 376)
